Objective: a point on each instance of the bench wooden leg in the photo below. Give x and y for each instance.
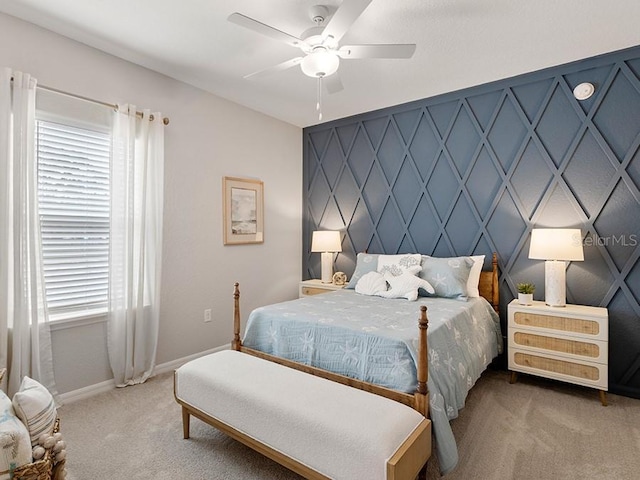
(185, 422)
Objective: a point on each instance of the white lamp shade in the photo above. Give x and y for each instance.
(556, 244)
(320, 64)
(326, 241)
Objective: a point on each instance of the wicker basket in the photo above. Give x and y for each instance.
(46, 468)
(40, 470)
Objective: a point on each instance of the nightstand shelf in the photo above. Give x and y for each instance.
(315, 287)
(569, 343)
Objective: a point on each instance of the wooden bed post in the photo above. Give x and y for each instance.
(422, 394)
(495, 292)
(236, 344)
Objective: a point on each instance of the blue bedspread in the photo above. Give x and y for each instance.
(375, 339)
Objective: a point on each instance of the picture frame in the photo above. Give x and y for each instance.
(243, 207)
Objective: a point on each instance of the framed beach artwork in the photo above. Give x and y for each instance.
(243, 210)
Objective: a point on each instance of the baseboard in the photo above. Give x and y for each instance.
(91, 390)
(624, 390)
(173, 364)
(86, 392)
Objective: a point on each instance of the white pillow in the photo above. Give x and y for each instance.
(405, 286)
(399, 264)
(34, 405)
(15, 444)
(474, 276)
(371, 283)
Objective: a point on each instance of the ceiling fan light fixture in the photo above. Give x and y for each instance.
(320, 63)
(321, 44)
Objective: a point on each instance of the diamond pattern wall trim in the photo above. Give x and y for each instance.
(473, 171)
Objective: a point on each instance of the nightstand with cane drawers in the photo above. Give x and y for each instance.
(563, 343)
(315, 287)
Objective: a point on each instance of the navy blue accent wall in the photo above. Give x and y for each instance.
(473, 171)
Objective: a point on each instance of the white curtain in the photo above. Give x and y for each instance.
(25, 337)
(137, 170)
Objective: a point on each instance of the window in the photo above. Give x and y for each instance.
(73, 192)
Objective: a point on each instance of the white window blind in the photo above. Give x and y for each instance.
(73, 183)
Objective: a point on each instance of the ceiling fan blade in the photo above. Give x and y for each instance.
(344, 17)
(264, 29)
(398, 50)
(332, 83)
(276, 68)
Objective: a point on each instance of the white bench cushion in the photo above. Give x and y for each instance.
(339, 431)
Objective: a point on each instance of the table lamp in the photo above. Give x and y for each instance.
(327, 242)
(556, 246)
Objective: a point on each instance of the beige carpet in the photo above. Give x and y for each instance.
(534, 429)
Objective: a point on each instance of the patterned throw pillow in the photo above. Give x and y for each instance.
(448, 276)
(34, 405)
(398, 264)
(374, 262)
(365, 263)
(15, 445)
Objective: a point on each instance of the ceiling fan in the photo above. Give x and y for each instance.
(320, 44)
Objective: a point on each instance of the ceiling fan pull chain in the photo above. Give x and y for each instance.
(319, 103)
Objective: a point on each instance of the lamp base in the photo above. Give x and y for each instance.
(327, 267)
(555, 283)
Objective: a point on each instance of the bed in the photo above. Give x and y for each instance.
(376, 344)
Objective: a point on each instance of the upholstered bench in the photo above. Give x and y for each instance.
(316, 427)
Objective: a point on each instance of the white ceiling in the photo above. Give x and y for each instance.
(460, 43)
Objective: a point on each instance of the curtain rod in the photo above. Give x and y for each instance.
(165, 120)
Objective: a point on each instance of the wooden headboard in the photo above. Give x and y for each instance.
(488, 285)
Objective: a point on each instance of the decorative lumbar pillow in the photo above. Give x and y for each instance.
(365, 263)
(399, 264)
(405, 285)
(34, 405)
(474, 276)
(15, 444)
(448, 276)
(372, 283)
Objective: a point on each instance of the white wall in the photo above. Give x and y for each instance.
(207, 139)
